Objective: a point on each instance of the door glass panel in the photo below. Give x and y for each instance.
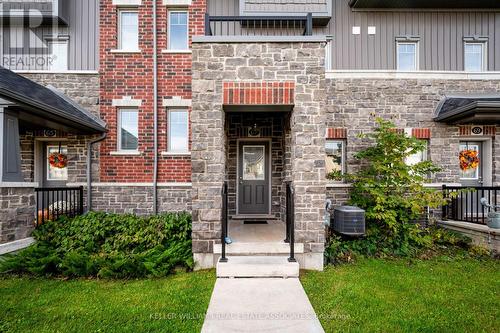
(469, 159)
(254, 163)
(54, 172)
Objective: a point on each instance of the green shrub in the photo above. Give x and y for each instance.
(107, 245)
(393, 194)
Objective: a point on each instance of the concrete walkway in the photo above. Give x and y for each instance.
(260, 305)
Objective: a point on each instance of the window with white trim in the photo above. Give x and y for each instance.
(335, 158)
(54, 172)
(128, 30)
(418, 157)
(178, 30)
(178, 131)
(58, 55)
(407, 56)
(128, 129)
(475, 56)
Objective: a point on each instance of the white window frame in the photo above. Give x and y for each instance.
(119, 129)
(169, 131)
(484, 48)
(119, 28)
(417, 59)
(170, 11)
(425, 153)
(328, 53)
(51, 44)
(343, 153)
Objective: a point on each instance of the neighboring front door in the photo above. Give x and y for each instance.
(471, 173)
(54, 175)
(253, 177)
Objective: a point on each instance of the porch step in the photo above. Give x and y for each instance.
(258, 248)
(257, 267)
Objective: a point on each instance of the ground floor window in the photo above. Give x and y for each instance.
(335, 159)
(128, 125)
(178, 131)
(418, 157)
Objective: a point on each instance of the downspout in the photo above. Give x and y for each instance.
(155, 112)
(89, 169)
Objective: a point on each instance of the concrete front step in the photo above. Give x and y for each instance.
(257, 267)
(248, 249)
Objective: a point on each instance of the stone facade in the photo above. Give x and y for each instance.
(138, 199)
(17, 211)
(301, 63)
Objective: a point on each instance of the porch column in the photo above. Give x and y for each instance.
(208, 169)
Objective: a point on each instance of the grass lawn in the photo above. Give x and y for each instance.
(439, 295)
(173, 304)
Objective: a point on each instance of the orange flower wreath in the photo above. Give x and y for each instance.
(58, 160)
(469, 159)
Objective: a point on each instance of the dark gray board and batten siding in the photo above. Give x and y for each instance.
(441, 35)
(82, 30)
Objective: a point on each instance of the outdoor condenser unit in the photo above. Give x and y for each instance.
(349, 220)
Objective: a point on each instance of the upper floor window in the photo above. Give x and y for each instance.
(58, 55)
(178, 131)
(178, 30)
(128, 30)
(475, 56)
(407, 56)
(128, 128)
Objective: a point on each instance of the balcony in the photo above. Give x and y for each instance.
(259, 25)
(24, 12)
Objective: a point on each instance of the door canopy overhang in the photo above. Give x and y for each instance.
(258, 96)
(469, 109)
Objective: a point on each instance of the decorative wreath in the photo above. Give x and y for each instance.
(469, 159)
(58, 160)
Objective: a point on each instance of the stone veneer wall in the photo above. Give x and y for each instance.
(17, 211)
(354, 104)
(138, 199)
(301, 62)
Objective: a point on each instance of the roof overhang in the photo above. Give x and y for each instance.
(477, 111)
(436, 4)
(38, 106)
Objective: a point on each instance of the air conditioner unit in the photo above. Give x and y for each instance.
(349, 220)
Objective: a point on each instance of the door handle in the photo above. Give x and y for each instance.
(241, 180)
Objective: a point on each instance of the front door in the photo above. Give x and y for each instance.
(253, 177)
(471, 166)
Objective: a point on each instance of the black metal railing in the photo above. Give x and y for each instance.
(224, 221)
(258, 25)
(290, 220)
(464, 203)
(54, 202)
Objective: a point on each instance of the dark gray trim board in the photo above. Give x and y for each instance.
(424, 4)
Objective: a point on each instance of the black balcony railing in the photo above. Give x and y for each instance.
(258, 25)
(54, 202)
(464, 203)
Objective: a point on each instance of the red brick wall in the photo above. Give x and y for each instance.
(125, 74)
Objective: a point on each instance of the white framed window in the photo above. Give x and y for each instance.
(178, 28)
(420, 156)
(55, 173)
(178, 131)
(328, 54)
(128, 130)
(335, 158)
(128, 29)
(58, 60)
(475, 56)
(407, 56)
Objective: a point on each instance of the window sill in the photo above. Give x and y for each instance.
(172, 153)
(125, 153)
(126, 51)
(176, 51)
